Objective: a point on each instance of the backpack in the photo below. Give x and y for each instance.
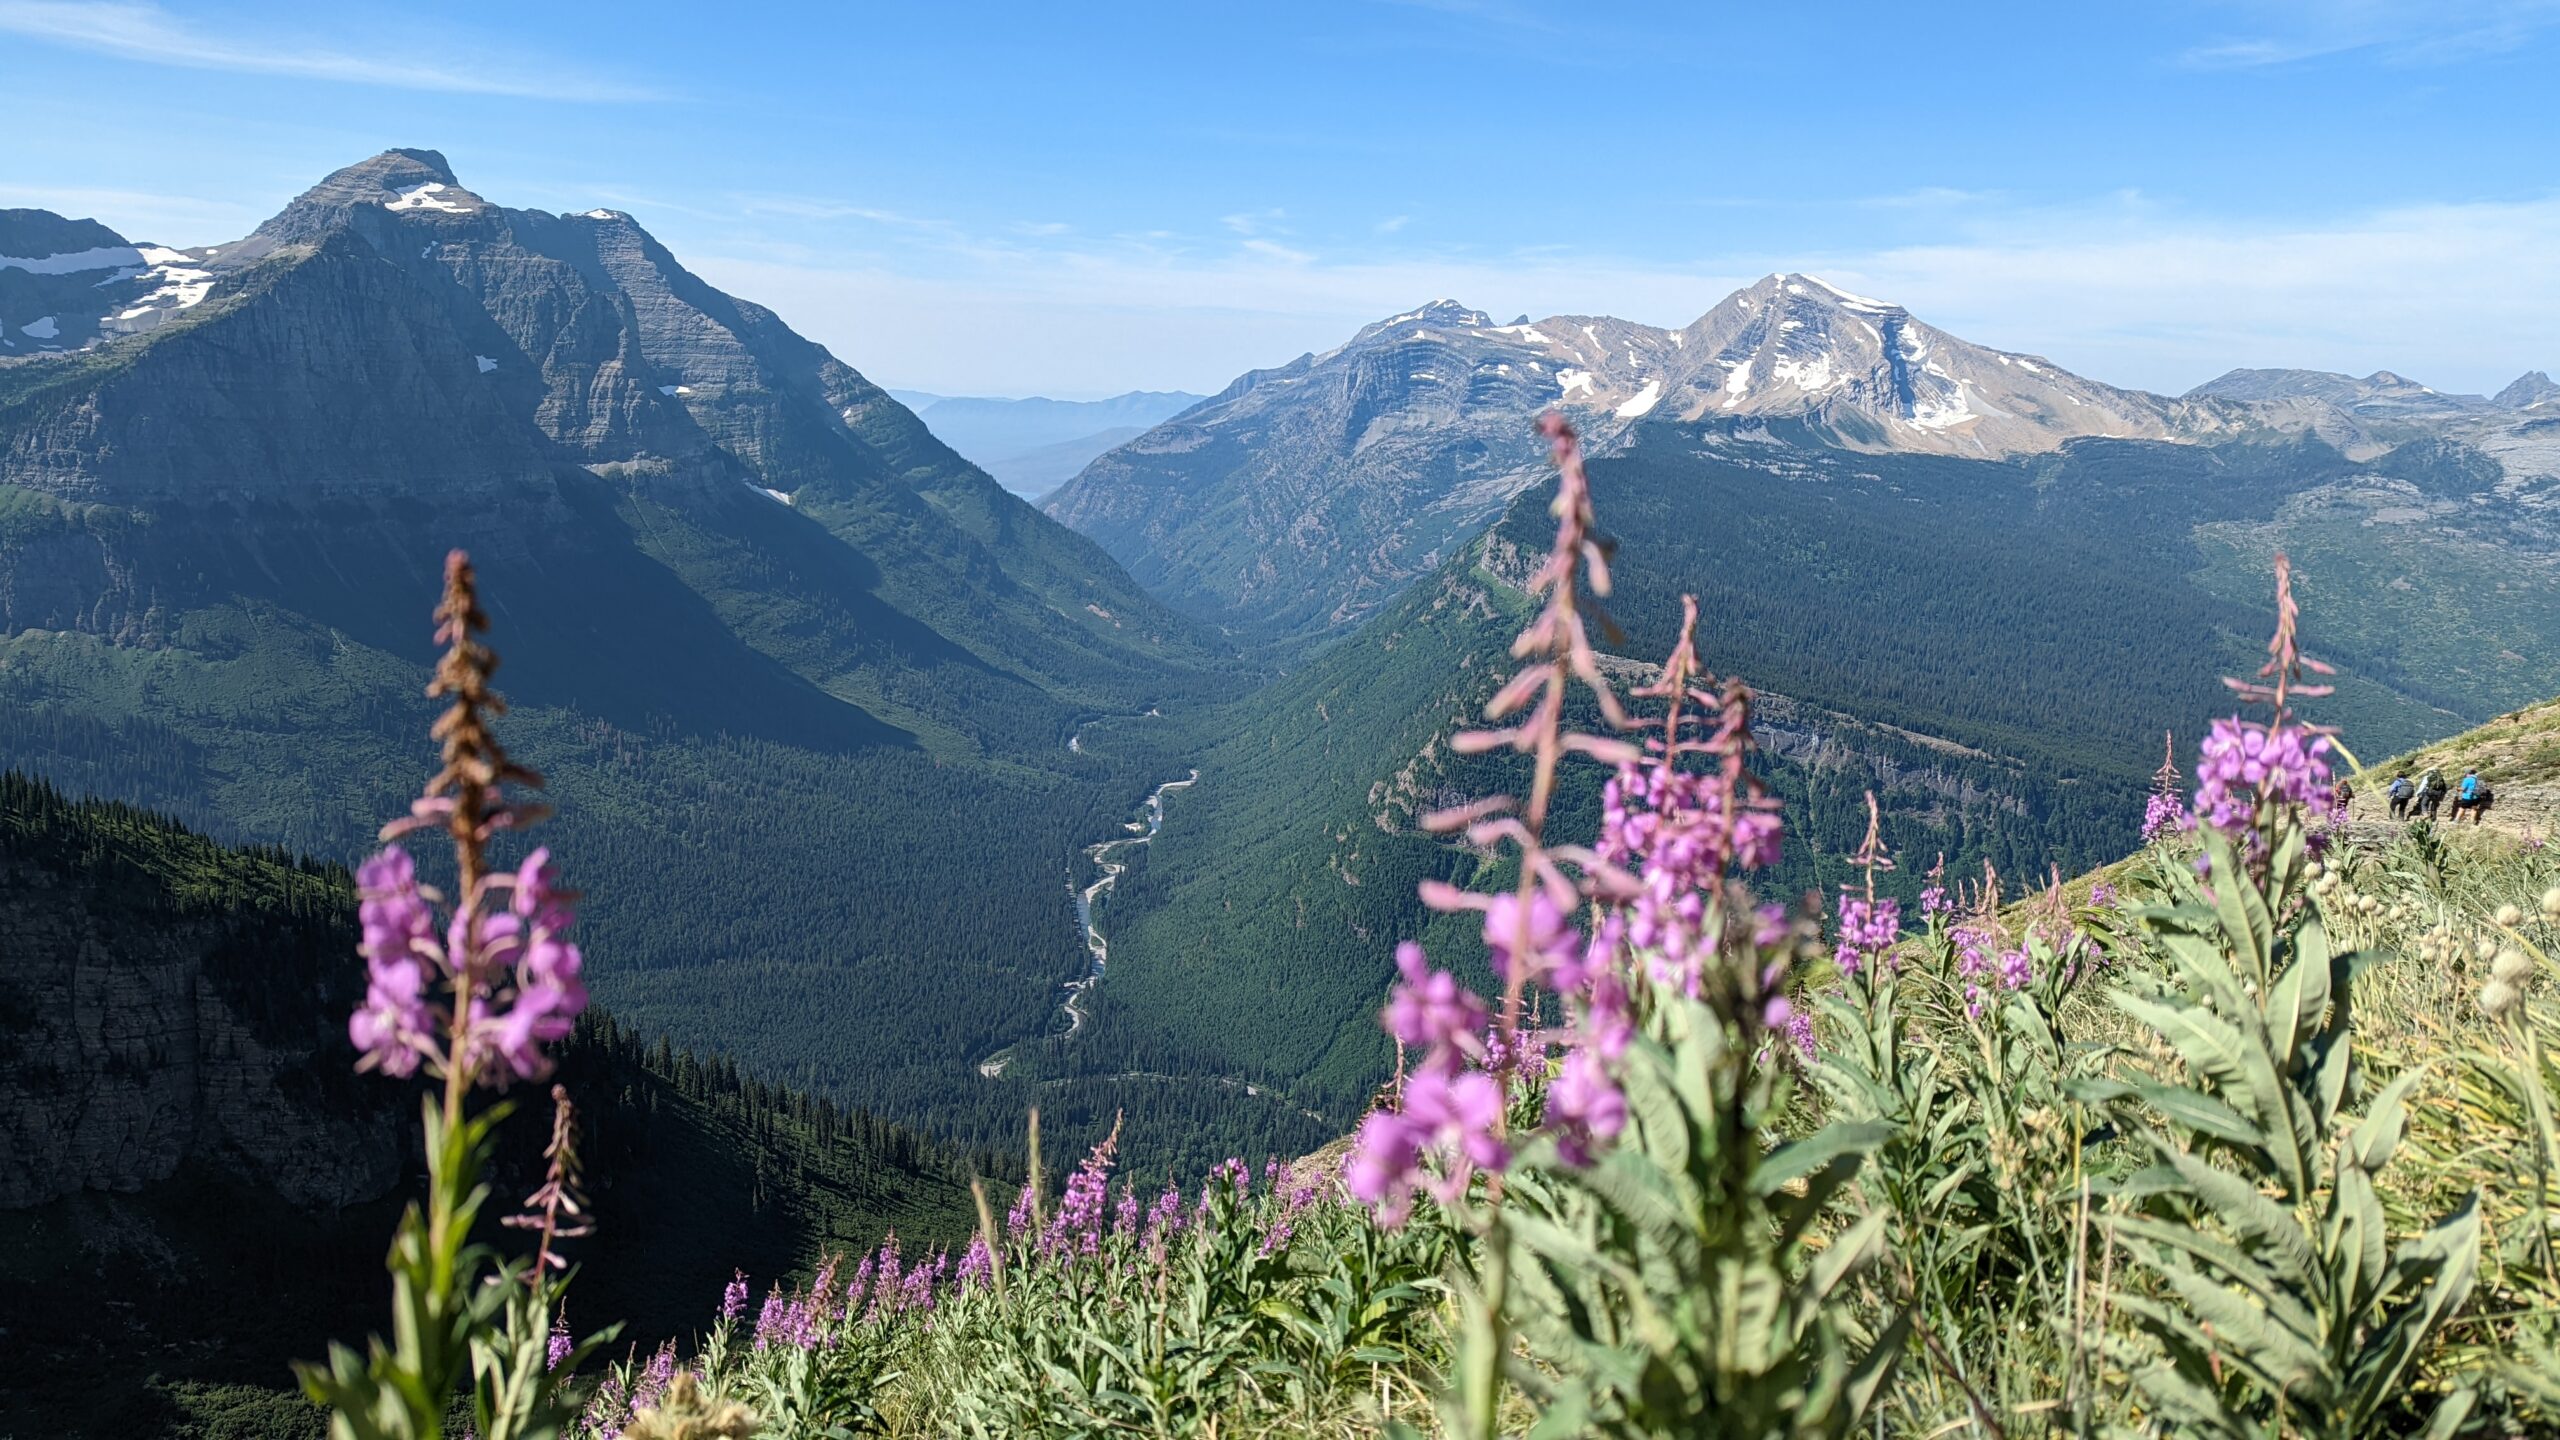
(2400, 788)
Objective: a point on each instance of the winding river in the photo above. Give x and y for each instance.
(1142, 831)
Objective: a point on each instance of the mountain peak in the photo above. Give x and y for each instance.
(398, 179)
(2531, 389)
(1446, 313)
(1823, 292)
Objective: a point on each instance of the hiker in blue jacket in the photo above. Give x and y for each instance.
(2401, 791)
(2470, 794)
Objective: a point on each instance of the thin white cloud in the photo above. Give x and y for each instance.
(2464, 297)
(2408, 32)
(1392, 224)
(151, 35)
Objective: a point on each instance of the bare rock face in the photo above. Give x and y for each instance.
(137, 1039)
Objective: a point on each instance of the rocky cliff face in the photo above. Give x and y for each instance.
(149, 1028)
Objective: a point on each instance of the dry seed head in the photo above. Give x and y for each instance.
(2509, 916)
(2483, 948)
(2551, 904)
(2513, 967)
(2497, 998)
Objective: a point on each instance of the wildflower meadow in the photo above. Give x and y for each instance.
(2250, 1134)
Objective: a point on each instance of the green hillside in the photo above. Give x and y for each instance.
(197, 1276)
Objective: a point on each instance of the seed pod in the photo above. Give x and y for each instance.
(2509, 916)
(2513, 966)
(2551, 904)
(2497, 998)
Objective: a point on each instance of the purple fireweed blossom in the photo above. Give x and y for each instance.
(2243, 763)
(858, 1288)
(1868, 930)
(654, 1379)
(2164, 815)
(519, 984)
(1430, 1011)
(1384, 1162)
(1800, 1034)
(2017, 969)
(975, 1263)
(397, 1026)
(1164, 1217)
(560, 1344)
(1585, 1106)
(733, 1299)
(774, 1320)
(1125, 1219)
(1556, 949)
(1081, 1206)
(2102, 896)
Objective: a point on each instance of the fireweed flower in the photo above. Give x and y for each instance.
(1556, 950)
(560, 1344)
(1430, 1011)
(733, 1300)
(1585, 1106)
(1384, 1163)
(2017, 969)
(1079, 1222)
(2162, 817)
(2243, 764)
(1868, 930)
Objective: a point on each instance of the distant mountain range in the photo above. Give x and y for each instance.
(1301, 498)
(1033, 446)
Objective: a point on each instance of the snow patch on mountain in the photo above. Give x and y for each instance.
(104, 257)
(1642, 402)
(427, 196)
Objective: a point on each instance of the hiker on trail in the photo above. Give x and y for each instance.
(2400, 792)
(2430, 793)
(2339, 795)
(2472, 794)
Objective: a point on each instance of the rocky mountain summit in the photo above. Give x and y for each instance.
(1302, 497)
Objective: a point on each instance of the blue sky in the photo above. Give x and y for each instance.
(1079, 199)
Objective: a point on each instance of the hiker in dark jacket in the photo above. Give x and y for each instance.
(2430, 793)
(2400, 792)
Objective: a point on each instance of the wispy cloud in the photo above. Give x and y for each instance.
(2406, 32)
(151, 35)
(2463, 296)
(1392, 224)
